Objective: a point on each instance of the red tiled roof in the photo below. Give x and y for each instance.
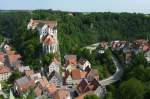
(51, 24)
(49, 40)
(13, 58)
(1, 57)
(4, 69)
(52, 88)
(29, 72)
(38, 91)
(43, 82)
(76, 74)
(61, 94)
(71, 59)
(24, 83)
(10, 52)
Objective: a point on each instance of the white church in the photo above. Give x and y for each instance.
(48, 34)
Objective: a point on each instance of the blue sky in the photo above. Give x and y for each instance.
(139, 6)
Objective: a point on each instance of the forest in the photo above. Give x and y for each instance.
(76, 30)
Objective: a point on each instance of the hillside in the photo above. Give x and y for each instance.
(75, 30)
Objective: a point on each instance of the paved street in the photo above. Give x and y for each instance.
(119, 70)
(116, 76)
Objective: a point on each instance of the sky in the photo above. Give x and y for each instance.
(138, 6)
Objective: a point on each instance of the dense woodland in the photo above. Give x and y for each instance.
(76, 30)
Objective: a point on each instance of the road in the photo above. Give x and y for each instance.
(116, 76)
(119, 70)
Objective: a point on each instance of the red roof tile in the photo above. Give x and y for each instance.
(52, 88)
(4, 69)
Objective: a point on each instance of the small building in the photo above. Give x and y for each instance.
(147, 55)
(22, 69)
(38, 91)
(62, 94)
(71, 60)
(47, 32)
(83, 64)
(36, 77)
(55, 78)
(43, 83)
(52, 89)
(2, 57)
(54, 66)
(28, 73)
(13, 58)
(23, 84)
(93, 74)
(85, 86)
(5, 73)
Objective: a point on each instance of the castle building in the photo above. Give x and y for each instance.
(48, 34)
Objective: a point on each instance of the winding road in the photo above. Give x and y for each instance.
(116, 76)
(119, 70)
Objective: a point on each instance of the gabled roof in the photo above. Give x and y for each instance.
(51, 24)
(82, 61)
(92, 74)
(76, 74)
(29, 72)
(62, 94)
(52, 88)
(4, 69)
(38, 91)
(85, 86)
(67, 57)
(49, 40)
(55, 74)
(43, 82)
(24, 83)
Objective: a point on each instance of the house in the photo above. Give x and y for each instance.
(55, 78)
(71, 60)
(7, 47)
(62, 94)
(33, 24)
(5, 73)
(38, 91)
(52, 89)
(2, 57)
(147, 55)
(28, 73)
(102, 47)
(93, 74)
(76, 74)
(69, 81)
(48, 34)
(13, 58)
(43, 83)
(85, 86)
(54, 66)
(23, 84)
(128, 56)
(74, 77)
(69, 68)
(83, 64)
(50, 45)
(23, 68)
(36, 77)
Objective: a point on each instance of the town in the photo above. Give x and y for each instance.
(74, 79)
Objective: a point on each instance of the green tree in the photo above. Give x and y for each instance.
(15, 75)
(131, 89)
(91, 96)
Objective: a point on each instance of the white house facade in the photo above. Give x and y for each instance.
(48, 34)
